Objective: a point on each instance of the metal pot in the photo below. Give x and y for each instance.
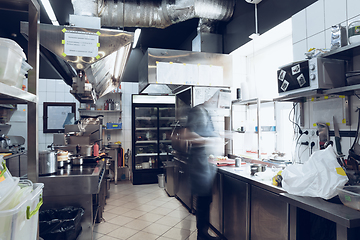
(47, 162)
(77, 160)
(84, 150)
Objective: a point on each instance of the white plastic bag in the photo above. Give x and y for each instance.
(318, 177)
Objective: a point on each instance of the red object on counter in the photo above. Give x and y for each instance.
(96, 149)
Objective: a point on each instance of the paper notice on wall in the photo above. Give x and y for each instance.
(216, 76)
(81, 44)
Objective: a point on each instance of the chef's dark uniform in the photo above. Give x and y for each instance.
(201, 172)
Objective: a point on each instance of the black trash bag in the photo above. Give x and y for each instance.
(60, 224)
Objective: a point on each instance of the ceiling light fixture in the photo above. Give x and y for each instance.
(256, 34)
(50, 12)
(136, 37)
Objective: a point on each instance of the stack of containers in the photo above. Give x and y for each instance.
(20, 201)
(13, 67)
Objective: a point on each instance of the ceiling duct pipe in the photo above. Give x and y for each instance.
(157, 14)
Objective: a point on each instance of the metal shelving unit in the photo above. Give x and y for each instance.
(257, 102)
(12, 95)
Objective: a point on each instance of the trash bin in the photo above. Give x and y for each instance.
(60, 224)
(170, 177)
(161, 180)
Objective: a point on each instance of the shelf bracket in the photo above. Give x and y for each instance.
(347, 108)
(302, 114)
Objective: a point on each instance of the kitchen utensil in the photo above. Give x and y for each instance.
(257, 168)
(47, 162)
(77, 160)
(237, 162)
(337, 138)
(84, 150)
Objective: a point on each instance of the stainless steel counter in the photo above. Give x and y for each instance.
(345, 218)
(77, 186)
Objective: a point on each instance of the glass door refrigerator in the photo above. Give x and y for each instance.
(153, 118)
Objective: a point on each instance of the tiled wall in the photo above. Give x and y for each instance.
(311, 29)
(127, 88)
(51, 90)
(311, 26)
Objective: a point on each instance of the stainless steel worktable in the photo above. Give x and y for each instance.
(344, 217)
(75, 186)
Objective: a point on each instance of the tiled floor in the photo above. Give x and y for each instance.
(144, 212)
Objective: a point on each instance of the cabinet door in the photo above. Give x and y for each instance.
(146, 138)
(184, 188)
(236, 206)
(216, 209)
(166, 121)
(268, 216)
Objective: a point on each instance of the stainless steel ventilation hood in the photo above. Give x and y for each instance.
(164, 71)
(92, 61)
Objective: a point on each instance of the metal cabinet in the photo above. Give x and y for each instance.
(269, 215)
(216, 207)
(183, 187)
(236, 208)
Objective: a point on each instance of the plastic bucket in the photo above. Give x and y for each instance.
(161, 180)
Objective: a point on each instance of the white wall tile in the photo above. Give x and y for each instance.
(50, 97)
(40, 111)
(59, 86)
(316, 41)
(335, 12)
(299, 49)
(60, 96)
(315, 22)
(353, 8)
(299, 26)
(42, 85)
(51, 87)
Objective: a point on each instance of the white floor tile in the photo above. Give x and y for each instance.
(123, 233)
(105, 227)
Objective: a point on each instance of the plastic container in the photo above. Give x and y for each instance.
(11, 60)
(7, 182)
(161, 180)
(350, 196)
(17, 195)
(21, 222)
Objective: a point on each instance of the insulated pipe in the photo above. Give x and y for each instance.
(145, 13)
(87, 8)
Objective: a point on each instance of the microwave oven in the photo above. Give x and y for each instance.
(312, 74)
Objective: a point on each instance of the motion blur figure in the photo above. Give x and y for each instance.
(200, 139)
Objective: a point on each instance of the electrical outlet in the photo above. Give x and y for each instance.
(108, 137)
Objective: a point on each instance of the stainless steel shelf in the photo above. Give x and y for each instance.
(346, 52)
(165, 141)
(166, 128)
(250, 101)
(99, 111)
(146, 154)
(149, 141)
(145, 118)
(166, 118)
(144, 129)
(14, 95)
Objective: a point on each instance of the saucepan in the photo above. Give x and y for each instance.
(254, 168)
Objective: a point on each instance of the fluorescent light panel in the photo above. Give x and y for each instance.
(136, 37)
(50, 12)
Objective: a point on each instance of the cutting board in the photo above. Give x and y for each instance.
(5, 154)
